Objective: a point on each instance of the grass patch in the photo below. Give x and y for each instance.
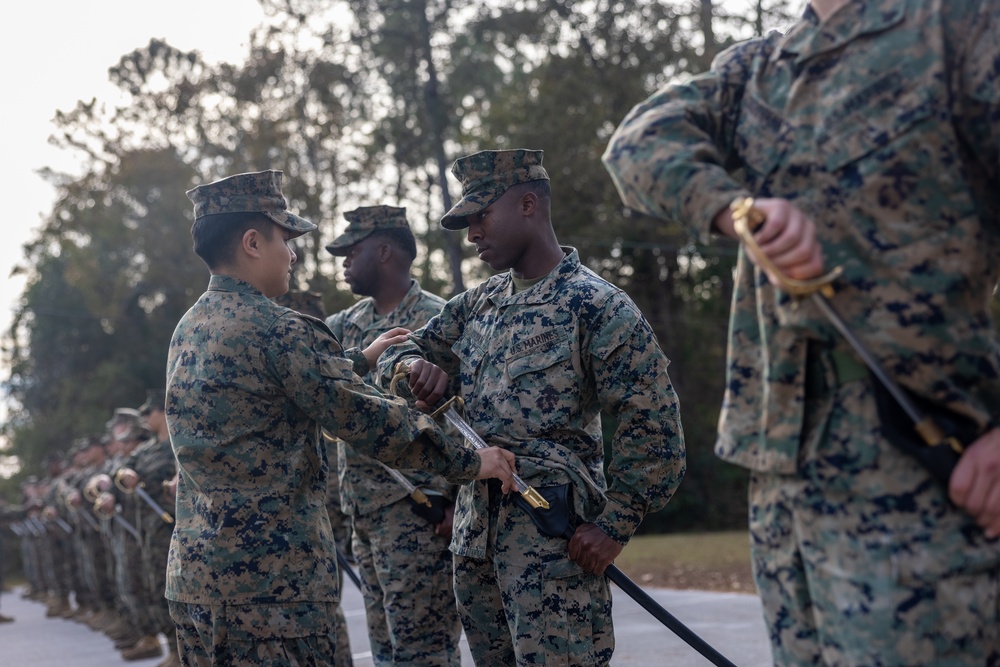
(702, 561)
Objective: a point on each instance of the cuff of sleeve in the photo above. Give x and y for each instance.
(704, 196)
(358, 360)
(619, 522)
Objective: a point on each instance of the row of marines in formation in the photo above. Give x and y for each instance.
(88, 535)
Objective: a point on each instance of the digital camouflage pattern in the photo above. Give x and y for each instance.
(364, 484)
(153, 461)
(250, 385)
(406, 569)
(535, 370)
(563, 614)
(486, 175)
(365, 220)
(252, 192)
(270, 635)
(881, 125)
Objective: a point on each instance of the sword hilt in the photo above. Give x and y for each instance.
(746, 219)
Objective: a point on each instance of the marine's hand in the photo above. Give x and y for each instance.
(787, 238)
(428, 383)
(127, 478)
(975, 483)
(381, 344)
(497, 463)
(444, 528)
(592, 549)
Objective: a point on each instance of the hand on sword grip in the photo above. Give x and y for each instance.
(428, 383)
(783, 241)
(497, 463)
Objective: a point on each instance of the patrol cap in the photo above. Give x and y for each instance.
(486, 175)
(155, 400)
(307, 303)
(252, 192)
(364, 221)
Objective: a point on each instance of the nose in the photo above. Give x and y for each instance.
(294, 256)
(475, 231)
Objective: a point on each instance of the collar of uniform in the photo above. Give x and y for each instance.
(222, 283)
(362, 313)
(545, 289)
(808, 38)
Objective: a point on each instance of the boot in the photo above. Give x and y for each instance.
(128, 641)
(58, 606)
(147, 647)
(10, 619)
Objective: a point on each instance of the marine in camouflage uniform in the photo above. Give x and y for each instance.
(127, 548)
(252, 570)
(540, 351)
(149, 466)
(875, 127)
(405, 564)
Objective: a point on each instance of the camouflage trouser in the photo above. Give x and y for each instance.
(130, 583)
(406, 574)
(860, 560)
(273, 635)
(526, 603)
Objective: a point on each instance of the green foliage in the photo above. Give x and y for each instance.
(364, 102)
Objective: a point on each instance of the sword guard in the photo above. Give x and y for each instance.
(746, 219)
(453, 402)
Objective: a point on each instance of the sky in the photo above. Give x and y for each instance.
(58, 52)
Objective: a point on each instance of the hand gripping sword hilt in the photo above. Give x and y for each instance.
(746, 219)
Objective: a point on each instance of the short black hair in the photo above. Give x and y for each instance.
(215, 236)
(542, 188)
(399, 237)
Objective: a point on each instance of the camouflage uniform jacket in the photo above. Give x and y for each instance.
(249, 386)
(882, 126)
(536, 368)
(364, 484)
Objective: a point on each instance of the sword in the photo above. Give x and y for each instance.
(416, 494)
(91, 521)
(129, 528)
(447, 410)
(346, 567)
(745, 219)
(62, 524)
(163, 514)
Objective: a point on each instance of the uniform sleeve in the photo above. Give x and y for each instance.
(672, 155)
(647, 452)
(321, 381)
(432, 342)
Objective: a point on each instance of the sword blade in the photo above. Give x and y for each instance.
(141, 492)
(529, 493)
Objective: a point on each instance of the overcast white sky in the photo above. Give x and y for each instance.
(56, 52)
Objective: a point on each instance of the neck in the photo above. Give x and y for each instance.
(540, 259)
(826, 8)
(390, 293)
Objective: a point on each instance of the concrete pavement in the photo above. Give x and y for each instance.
(731, 622)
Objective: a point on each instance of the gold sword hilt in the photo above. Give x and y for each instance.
(746, 219)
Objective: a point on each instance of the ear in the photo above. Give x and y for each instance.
(250, 243)
(529, 201)
(384, 253)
